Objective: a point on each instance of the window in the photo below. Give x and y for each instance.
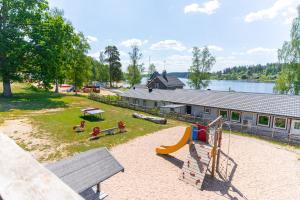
(172, 109)
(156, 85)
(207, 110)
(155, 104)
(279, 123)
(297, 125)
(263, 120)
(224, 114)
(235, 116)
(144, 103)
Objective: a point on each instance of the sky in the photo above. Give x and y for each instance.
(236, 32)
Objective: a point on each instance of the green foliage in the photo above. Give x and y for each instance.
(259, 72)
(113, 60)
(80, 65)
(151, 69)
(57, 50)
(17, 18)
(289, 79)
(135, 69)
(199, 72)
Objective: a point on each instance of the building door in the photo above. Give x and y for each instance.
(189, 110)
(295, 128)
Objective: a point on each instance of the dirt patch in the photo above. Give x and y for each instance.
(33, 140)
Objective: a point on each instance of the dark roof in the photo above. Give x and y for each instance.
(275, 104)
(86, 169)
(170, 81)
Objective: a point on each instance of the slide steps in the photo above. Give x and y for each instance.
(196, 164)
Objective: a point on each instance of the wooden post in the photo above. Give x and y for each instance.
(98, 187)
(214, 153)
(219, 148)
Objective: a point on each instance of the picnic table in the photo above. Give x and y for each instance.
(85, 170)
(93, 111)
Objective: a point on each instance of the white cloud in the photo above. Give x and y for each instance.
(133, 41)
(91, 39)
(223, 62)
(208, 7)
(174, 63)
(261, 50)
(281, 8)
(94, 55)
(168, 45)
(215, 48)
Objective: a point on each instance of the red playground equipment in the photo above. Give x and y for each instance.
(201, 129)
(96, 131)
(111, 131)
(121, 126)
(79, 128)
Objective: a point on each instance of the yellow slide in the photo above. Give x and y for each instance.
(170, 149)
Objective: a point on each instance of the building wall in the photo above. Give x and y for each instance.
(251, 127)
(153, 84)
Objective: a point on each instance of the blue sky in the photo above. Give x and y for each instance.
(237, 32)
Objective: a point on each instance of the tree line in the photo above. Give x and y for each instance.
(38, 44)
(268, 72)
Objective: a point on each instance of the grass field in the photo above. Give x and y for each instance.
(57, 126)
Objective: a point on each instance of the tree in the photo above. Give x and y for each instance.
(17, 17)
(113, 60)
(151, 69)
(81, 64)
(54, 37)
(135, 69)
(199, 72)
(288, 80)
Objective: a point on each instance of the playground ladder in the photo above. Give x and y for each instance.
(196, 164)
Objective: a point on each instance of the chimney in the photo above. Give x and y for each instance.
(150, 90)
(164, 74)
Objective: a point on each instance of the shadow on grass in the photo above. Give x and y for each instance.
(91, 118)
(32, 99)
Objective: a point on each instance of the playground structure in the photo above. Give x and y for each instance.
(79, 128)
(204, 147)
(110, 131)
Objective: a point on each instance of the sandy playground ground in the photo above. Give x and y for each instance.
(256, 170)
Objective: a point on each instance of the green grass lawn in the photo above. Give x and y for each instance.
(57, 126)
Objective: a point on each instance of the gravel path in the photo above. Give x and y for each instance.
(256, 170)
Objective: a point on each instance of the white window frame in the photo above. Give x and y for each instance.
(227, 114)
(295, 125)
(208, 109)
(274, 126)
(257, 120)
(236, 121)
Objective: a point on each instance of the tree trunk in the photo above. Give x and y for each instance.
(56, 86)
(6, 88)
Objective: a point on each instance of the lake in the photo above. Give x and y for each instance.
(236, 85)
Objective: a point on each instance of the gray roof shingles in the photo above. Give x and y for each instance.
(275, 104)
(171, 81)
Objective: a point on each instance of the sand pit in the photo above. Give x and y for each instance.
(257, 170)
